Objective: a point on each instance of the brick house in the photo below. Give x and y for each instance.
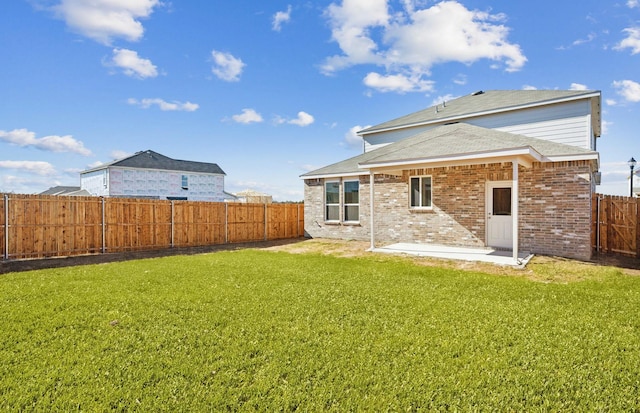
(511, 170)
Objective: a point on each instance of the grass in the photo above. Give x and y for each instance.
(260, 331)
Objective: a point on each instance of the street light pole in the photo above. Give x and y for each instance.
(632, 165)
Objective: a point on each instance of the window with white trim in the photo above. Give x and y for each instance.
(351, 201)
(420, 192)
(332, 201)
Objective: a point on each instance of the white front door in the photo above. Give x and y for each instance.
(499, 215)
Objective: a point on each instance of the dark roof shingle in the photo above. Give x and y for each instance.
(153, 160)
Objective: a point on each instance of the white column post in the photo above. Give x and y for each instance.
(514, 210)
(371, 209)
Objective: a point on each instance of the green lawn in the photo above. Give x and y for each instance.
(262, 331)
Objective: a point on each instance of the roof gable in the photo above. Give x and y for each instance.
(483, 103)
(153, 160)
(459, 140)
(465, 139)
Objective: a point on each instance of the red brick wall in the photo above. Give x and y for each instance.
(554, 208)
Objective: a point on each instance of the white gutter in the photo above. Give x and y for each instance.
(335, 175)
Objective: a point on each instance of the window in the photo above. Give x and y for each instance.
(332, 201)
(185, 182)
(351, 200)
(420, 192)
(501, 201)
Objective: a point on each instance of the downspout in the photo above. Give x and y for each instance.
(514, 211)
(371, 220)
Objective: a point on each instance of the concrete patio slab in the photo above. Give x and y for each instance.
(489, 255)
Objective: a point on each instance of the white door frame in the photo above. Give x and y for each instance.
(515, 210)
(490, 185)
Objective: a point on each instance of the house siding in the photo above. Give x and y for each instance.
(96, 182)
(156, 184)
(554, 207)
(568, 123)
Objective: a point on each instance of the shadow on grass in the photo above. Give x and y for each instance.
(620, 261)
(58, 262)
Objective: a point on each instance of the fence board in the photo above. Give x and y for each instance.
(616, 225)
(45, 226)
(198, 223)
(3, 230)
(245, 222)
(137, 224)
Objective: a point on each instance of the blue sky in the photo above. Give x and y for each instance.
(269, 90)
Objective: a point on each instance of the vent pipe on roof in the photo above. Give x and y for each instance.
(479, 92)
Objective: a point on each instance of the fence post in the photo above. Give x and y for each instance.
(172, 223)
(104, 247)
(637, 227)
(6, 227)
(598, 224)
(265, 221)
(226, 222)
(298, 221)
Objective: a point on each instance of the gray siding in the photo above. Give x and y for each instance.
(567, 123)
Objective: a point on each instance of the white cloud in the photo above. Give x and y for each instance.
(247, 116)
(351, 24)
(164, 105)
(611, 102)
(119, 154)
(605, 126)
(578, 86)
(281, 17)
(95, 164)
(628, 89)
(303, 119)
(590, 37)
(52, 143)
(529, 87)
(132, 64)
(460, 80)
(104, 20)
(226, 66)
(397, 83)
(352, 138)
(632, 3)
(443, 99)
(34, 167)
(632, 41)
(408, 43)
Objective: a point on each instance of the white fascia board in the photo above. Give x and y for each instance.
(526, 154)
(580, 157)
(330, 176)
(482, 113)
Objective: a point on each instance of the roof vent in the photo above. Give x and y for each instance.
(479, 92)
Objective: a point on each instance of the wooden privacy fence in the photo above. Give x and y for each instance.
(37, 226)
(616, 225)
